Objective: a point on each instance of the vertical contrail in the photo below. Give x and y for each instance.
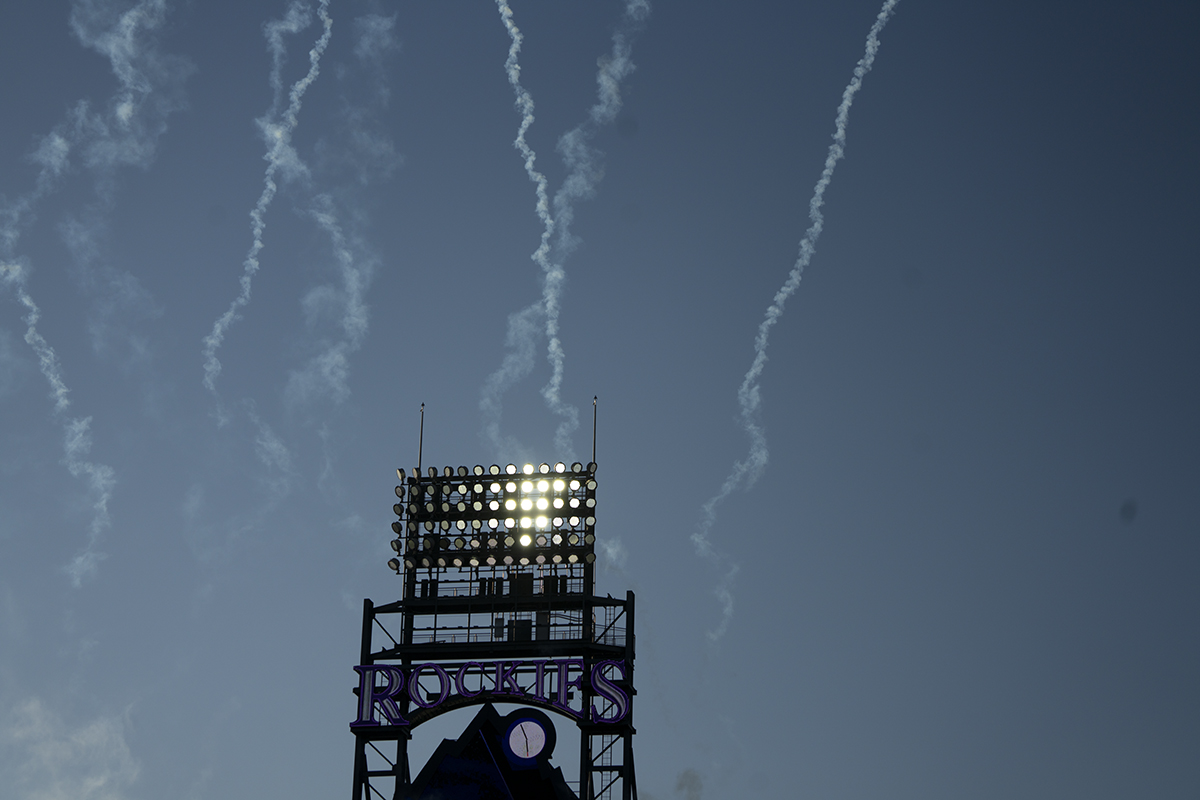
(100, 478)
(746, 472)
(123, 134)
(280, 156)
(556, 243)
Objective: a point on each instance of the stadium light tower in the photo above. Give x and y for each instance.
(498, 606)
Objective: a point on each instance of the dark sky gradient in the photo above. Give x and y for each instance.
(970, 568)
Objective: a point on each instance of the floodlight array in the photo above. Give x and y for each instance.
(496, 516)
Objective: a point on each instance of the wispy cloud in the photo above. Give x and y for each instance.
(276, 128)
(99, 478)
(121, 301)
(213, 534)
(375, 41)
(126, 132)
(45, 758)
(327, 373)
(747, 471)
(122, 133)
(557, 243)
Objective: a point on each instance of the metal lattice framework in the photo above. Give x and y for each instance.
(498, 605)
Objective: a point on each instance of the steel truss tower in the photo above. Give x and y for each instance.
(498, 605)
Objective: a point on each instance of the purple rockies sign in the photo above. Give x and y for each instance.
(381, 685)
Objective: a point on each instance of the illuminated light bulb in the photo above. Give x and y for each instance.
(527, 486)
(558, 521)
(511, 469)
(574, 521)
(559, 467)
(493, 523)
(543, 485)
(541, 522)
(526, 540)
(544, 468)
(510, 523)
(461, 525)
(559, 485)
(557, 538)
(574, 502)
(558, 502)
(526, 504)
(510, 487)
(494, 505)
(526, 522)
(477, 488)
(542, 504)
(527, 469)
(574, 486)
(509, 505)
(494, 488)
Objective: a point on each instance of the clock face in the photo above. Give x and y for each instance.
(526, 739)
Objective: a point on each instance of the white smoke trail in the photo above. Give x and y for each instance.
(125, 134)
(280, 157)
(580, 183)
(746, 472)
(100, 478)
(327, 373)
(361, 152)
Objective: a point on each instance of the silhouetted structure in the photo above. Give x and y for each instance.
(498, 606)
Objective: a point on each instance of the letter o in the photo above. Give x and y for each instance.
(414, 685)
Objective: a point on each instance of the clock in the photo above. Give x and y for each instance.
(526, 739)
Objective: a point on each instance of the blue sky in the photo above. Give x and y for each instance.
(967, 566)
